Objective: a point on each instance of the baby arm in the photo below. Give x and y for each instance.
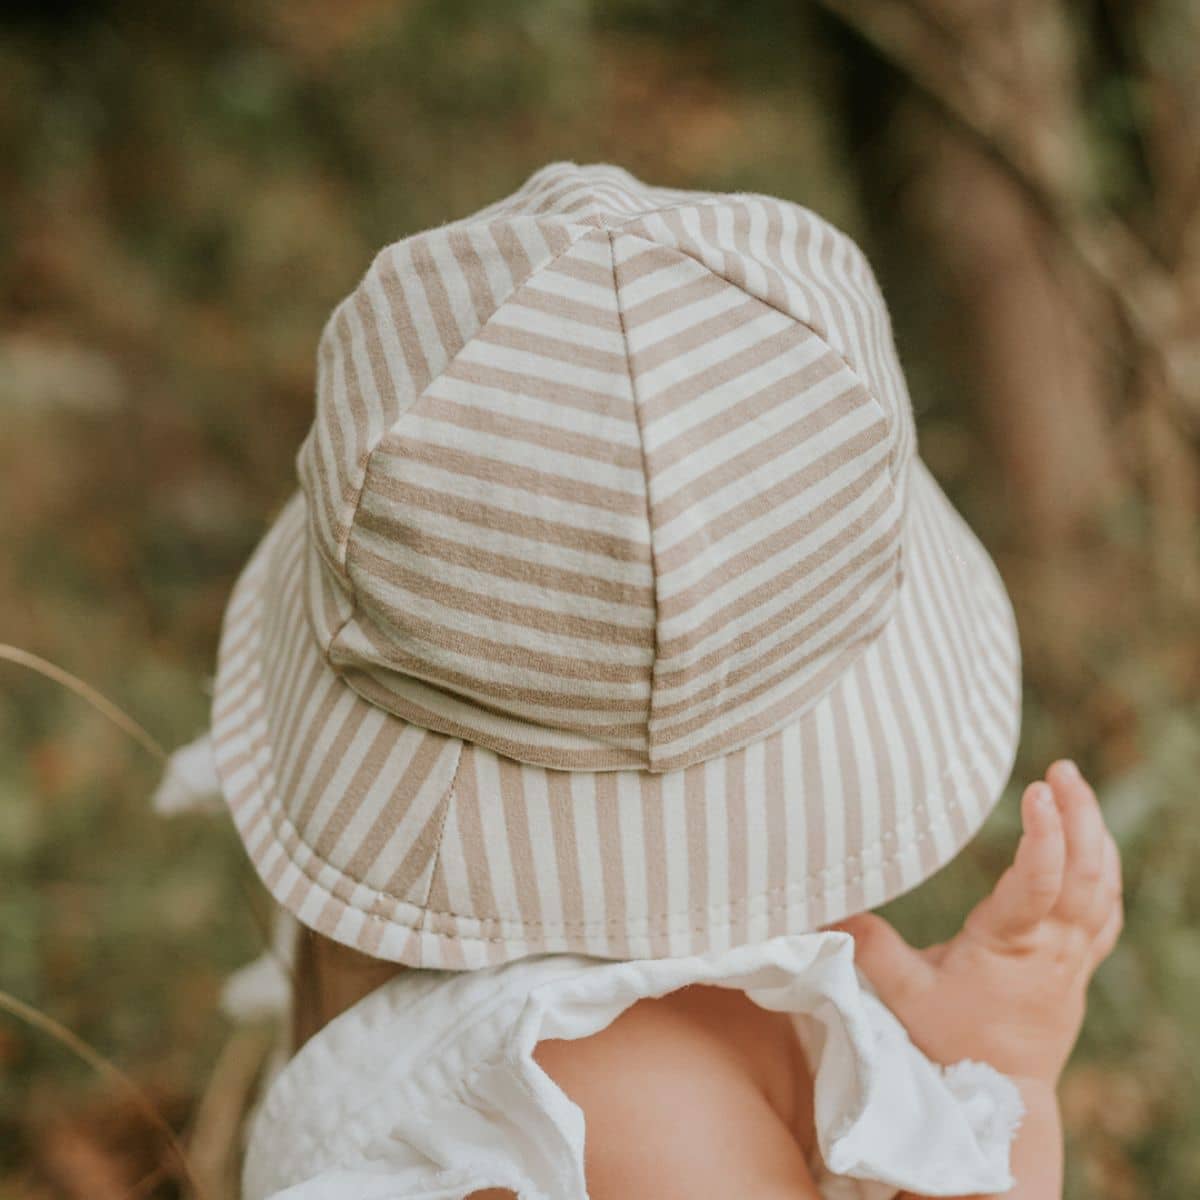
(677, 1104)
(1010, 988)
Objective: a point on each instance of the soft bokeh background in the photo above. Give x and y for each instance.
(187, 189)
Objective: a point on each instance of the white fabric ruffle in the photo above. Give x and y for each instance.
(189, 781)
(427, 1089)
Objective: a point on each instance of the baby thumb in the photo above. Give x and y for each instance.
(896, 971)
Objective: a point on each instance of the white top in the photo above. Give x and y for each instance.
(427, 1089)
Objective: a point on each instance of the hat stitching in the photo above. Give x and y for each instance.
(637, 416)
(343, 569)
(824, 336)
(921, 831)
(662, 922)
(957, 781)
(816, 328)
(452, 729)
(283, 827)
(569, 226)
(588, 225)
(436, 857)
(286, 831)
(508, 209)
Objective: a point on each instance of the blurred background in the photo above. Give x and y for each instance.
(185, 192)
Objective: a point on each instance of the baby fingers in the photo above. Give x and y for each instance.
(1092, 876)
(1029, 890)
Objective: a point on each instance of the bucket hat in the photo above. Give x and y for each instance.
(615, 612)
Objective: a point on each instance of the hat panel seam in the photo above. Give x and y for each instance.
(815, 883)
(857, 254)
(344, 572)
(815, 326)
(585, 227)
(637, 417)
(824, 339)
(288, 837)
(286, 832)
(435, 858)
(576, 230)
(901, 440)
(588, 224)
(289, 840)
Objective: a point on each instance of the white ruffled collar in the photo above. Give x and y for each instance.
(428, 1088)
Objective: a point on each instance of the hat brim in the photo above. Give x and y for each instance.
(424, 849)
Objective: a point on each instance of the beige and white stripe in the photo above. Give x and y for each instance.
(616, 613)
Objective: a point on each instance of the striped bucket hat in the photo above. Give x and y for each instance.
(615, 612)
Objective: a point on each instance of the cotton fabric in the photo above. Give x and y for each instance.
(615, 613)
(427, 1088)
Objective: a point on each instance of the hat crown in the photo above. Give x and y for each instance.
(607, 475)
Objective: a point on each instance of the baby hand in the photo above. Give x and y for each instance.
(1009, 988)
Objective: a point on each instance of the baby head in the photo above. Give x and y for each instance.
(616, 613)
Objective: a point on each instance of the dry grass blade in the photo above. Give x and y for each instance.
(213, 1143)
(226, 1100)
(100, 1064)
(98, 701)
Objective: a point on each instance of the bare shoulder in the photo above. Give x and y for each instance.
(698, 1093)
